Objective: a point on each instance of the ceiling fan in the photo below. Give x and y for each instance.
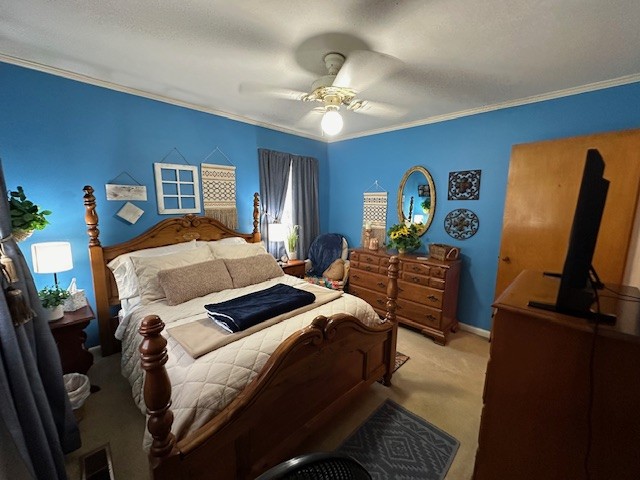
(346, 78)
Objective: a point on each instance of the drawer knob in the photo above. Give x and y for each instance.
(368, 268)
(433, 298)
(415, 279)
(357, 277)
(431, 317)
(381, 284)
(416, 268)
(379, 301)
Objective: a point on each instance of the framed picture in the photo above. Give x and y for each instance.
(423, 190)
(177, 188)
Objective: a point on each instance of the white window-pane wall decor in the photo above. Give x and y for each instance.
(177, 188)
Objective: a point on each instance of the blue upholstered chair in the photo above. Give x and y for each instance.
(323, 252)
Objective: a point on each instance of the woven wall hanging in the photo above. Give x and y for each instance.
(219, 193)
(374, 216)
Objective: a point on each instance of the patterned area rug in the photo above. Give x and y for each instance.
(401, 358)
(395, 443)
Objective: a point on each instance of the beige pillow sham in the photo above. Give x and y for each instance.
(251, 270)
(147, 269)
(185, 283)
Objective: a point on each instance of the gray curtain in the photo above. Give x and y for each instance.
(34, 406)
(274, 176)
(305, 200)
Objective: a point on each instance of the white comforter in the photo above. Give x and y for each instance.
(203, 387)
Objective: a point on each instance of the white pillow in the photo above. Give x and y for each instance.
(223, 241)
(147, 269)
(237, 251)
(123, 270)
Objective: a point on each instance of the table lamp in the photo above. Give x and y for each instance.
(51, 257)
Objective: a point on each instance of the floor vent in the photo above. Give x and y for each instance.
(96, 465)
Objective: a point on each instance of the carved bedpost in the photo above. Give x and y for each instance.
(90, 216)
(108, 343)
(157, 388)
(392, 295)
(256, 217)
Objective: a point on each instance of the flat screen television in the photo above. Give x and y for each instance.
(578, 280)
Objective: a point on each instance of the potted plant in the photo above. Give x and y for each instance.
(26, 216)
(404, 237)
(292, 242)
(52, 299)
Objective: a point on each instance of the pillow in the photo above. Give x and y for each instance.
(250, 270)
(147, 269)
(335, 271)
(184, 283)
(124, 273)
(236, 251)
(223, 241)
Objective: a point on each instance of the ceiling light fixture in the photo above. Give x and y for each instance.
(332, 121)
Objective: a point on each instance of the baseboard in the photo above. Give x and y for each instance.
(478, 331)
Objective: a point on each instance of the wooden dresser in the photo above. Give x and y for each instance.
(559, 397)
(427, 289)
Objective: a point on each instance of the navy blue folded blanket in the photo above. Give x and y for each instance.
(248, 310)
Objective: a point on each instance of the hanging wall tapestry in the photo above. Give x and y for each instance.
(219, 192)
(374, 221)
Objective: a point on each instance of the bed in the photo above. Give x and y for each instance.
(305, 368)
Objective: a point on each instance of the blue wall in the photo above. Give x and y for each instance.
(482, 142)
(57, 135)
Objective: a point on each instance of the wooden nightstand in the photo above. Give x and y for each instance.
(294, 267)
(69, 335)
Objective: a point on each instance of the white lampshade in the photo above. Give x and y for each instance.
(51, 257)
(331, 122)
(418, 219)
(278, 232)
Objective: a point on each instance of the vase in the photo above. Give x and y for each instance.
(52, 314)
(291, 254)
(402, 251)
(21, 235)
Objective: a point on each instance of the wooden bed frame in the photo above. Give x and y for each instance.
(309, 378)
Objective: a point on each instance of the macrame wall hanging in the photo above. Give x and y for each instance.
(374, 216)
(219, 191)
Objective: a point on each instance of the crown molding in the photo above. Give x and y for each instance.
(152, 96)
(616, 82)
(625, 80)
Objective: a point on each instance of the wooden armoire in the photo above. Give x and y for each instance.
(542, 190)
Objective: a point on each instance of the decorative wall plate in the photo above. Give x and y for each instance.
(461, 223)
(464, 185)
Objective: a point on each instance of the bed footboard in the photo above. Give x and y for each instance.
(310, 377)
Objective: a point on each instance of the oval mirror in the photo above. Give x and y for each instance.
(417, 198)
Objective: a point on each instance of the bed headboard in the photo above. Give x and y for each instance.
(166, 232)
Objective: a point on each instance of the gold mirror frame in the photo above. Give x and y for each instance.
(432, 189)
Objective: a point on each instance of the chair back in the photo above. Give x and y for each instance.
(318, 466)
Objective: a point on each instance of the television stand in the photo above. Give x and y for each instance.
(591, 316)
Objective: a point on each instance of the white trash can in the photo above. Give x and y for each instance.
(78, 389)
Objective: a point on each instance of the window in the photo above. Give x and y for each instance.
(177, 188)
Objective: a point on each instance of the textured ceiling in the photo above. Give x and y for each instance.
(452, 57)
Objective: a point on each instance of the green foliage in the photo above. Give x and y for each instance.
(426, 205)
(25, 215)
(292, 237)
(52, 296)
(404, 237)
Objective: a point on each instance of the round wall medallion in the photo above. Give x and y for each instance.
(461, 223)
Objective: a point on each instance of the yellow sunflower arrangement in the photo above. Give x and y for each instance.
(404, 238)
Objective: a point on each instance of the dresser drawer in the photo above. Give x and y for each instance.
(419, 313)
(436, 283)
(438, 272)
(415, 278)
(376, 300)
(411, 267)
(367, 258)
(367, 267)
(384, 262)
(420, 294)
(372, 281)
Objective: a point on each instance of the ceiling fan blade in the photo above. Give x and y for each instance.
(271, 91)
(363, 68)
(379, 109)
(312, 117)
